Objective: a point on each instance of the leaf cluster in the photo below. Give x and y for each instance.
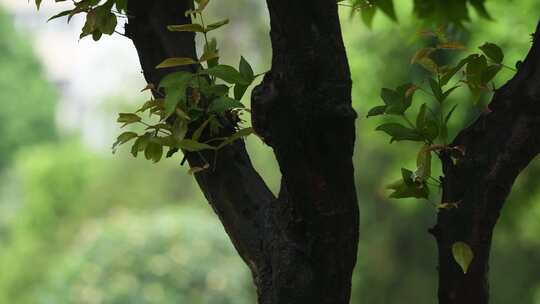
(101, 16)
(430, 126)
(432, 11)
(198, 98)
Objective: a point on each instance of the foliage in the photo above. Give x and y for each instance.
(192, 100)
(189, 104)
(432, 11)
(182, 256)
(476, 71)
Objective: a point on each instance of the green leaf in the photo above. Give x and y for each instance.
(216, 25)
(215, 90)
(375, 111)
(399, 132)
(450, 73)
(245, 69)
(124, 138)
(490, 72)
(153, 151)
(105, 20)
(239, 134)
(128, 118)
(172, 98)
(193, 146)
(174, 62)
(426, 123)
(228, 74)
(176, 79)
(450, 114)
(195, 28)
(368, 13)
(239, 91)
(448, 92)
(463, 255)
(493, 52)
(197, 134)
(396, 101)
(387, 7)
(474, 71)
(150, 105)
(436, 89)
(223, 104)
(59, 15)
(140, 144)
(407, 187)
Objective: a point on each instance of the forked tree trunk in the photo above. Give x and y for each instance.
(497, 147)
(301, 246)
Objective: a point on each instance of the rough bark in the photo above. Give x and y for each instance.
(497, 147)
(301, 247)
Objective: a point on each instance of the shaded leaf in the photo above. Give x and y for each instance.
(463, 255)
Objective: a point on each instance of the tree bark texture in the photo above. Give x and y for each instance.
(301, 246)
(496, 148)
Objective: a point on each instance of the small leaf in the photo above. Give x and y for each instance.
(128, 118)
(193, 146)
(436, 89)
(124, 138)
(399, 132)
(140, 144)
(378, 110)
(245, 69)
(493, 52)
(216, 25)
(174, 62)
(228, 74)
(368, 13)
(172, 98)
(407, 187)
(197, 134)
(463, 255)
(153, 151)
(450, 114)
(239, 134)
(176, 79)
(239, 91)
(450, 73)
(195, 28)
(59, 15)
(223, 104)
(426, 123)
(387, 7)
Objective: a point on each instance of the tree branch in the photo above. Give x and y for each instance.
(301, 247)
(498, 146)
(233, 188)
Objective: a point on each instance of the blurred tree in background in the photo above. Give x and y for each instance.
(24, 90)
(77, 226)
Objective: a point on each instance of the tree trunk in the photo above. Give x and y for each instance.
(496, 148)
(301, 247)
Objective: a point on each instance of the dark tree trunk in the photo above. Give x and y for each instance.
(301, 247)
(497, 147)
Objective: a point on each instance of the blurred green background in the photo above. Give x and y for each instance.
(80, 225)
